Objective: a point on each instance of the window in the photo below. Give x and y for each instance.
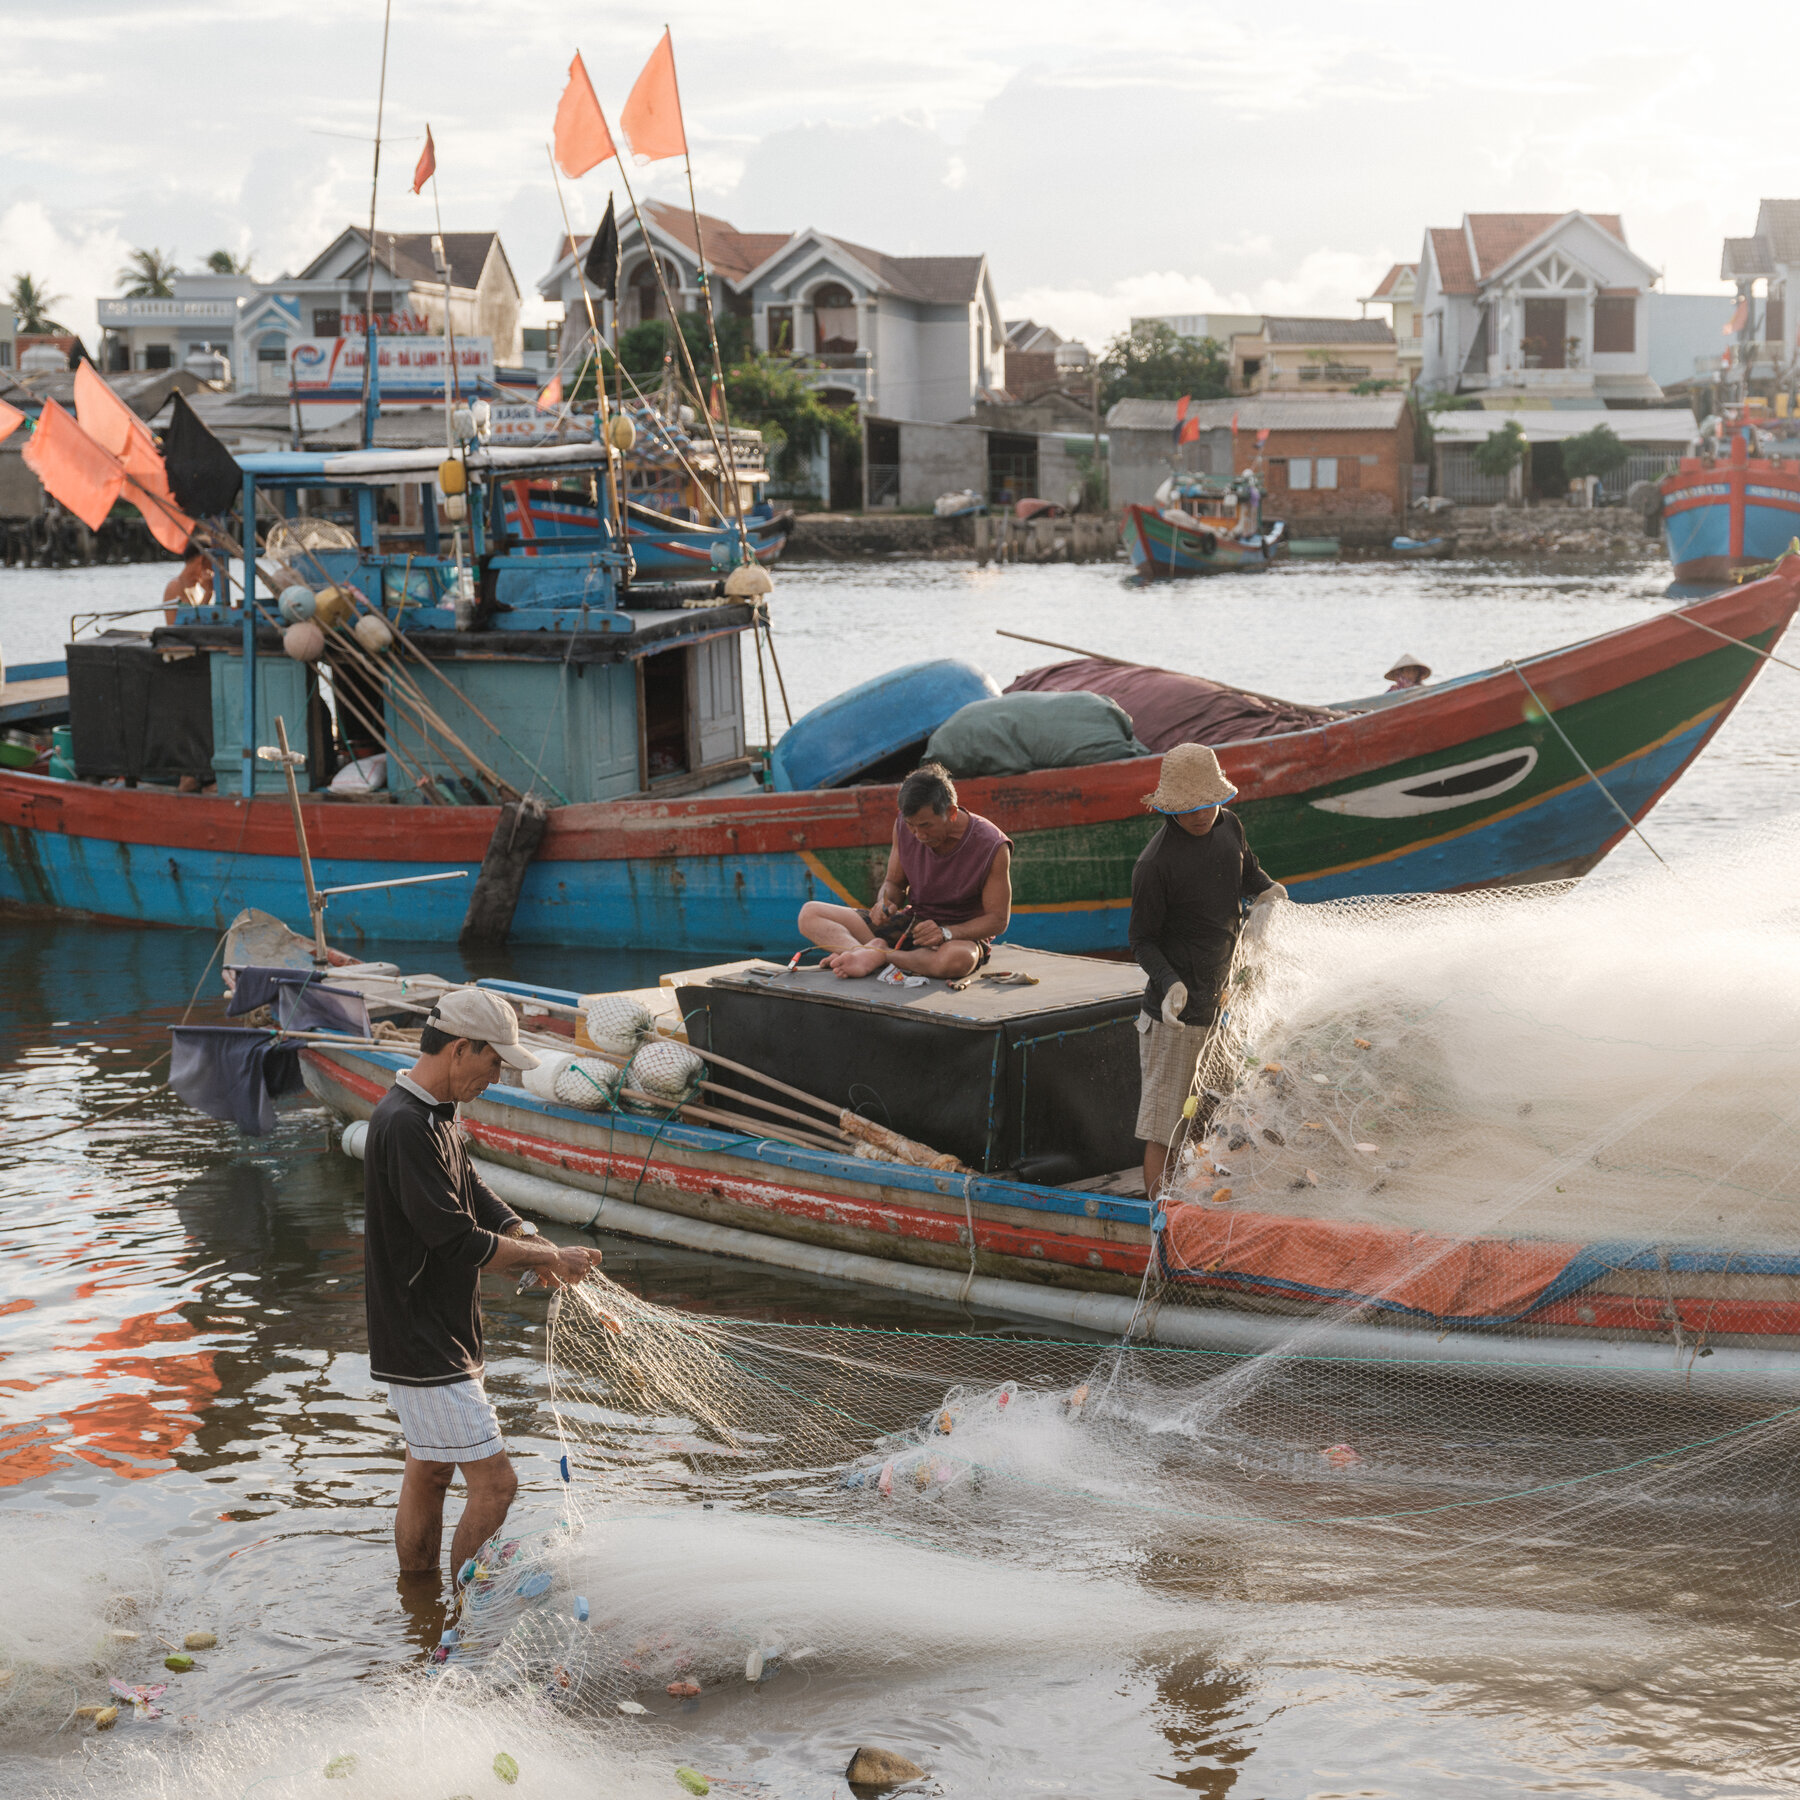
(1252, 368)
(1327, 472)
(1615, 325)
(834, 320)
(159, 356)
(646, 299)
(1775, 319)
(781, 331)
(1300, 472)
(271, 350)
(327, 322)
(6, 353)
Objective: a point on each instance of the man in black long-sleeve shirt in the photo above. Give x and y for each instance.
(431, 1226)
(1186, 893)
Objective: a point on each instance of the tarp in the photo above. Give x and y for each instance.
(1450, 1281)
(1019, 732)
(1167, 708)
(311, 1006)
(229, 1073)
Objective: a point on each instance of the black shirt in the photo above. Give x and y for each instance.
(431, 1225)
(1185, 892)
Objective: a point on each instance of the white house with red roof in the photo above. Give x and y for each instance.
(910, 337)
(1536, 307)
(1398, 291)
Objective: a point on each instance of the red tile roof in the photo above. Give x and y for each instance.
(1391, 279)
(731, 252)
(1501, 236)
(1450, 251)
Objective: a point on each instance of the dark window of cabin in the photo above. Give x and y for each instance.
(1615, 325)
(665, 715)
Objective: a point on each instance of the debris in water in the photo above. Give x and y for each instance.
(141, 1698)
(683, 1690)
(1362, 1043)
(1368, 1149)
(1274, 1137)
(106, 1718)
(1221, 1195)
(506, 1768)
(753, 1666)
(1340, 1456)
(880, 1768)
(341, 1768)
(200, 1640)
(180, 1662)
(1323, 1080)
(581, 1609)
(693, 1780)
(632, 1709)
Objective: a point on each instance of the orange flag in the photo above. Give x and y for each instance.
(551, 397)
(74, 469)
(10, 420)
(652, 116)
(123, 435)
(582, 140)
(427, 163)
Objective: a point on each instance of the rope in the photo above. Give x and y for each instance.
(1630, 822)
(968, 1281)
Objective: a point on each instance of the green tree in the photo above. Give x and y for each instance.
(1500, 452)
(32, 305)
(1153, 361)
(148, 275)
(222, 262)
(772, 395)
(1596, 452)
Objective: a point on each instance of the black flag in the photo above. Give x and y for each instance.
(601, 270)
(203, 474)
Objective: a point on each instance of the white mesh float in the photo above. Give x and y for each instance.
(668, 1072)
(616, 1023)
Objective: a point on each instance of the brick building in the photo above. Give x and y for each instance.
(1334, 456)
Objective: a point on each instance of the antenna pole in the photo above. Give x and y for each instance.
(371, 382)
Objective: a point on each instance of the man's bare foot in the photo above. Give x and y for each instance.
(849, 963)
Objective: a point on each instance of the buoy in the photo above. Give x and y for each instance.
(748, 581)
(374, 633)
(453, 478)
(297, 603)
(332, 607)
(665, 1070)
(304, 642)
(621, 433)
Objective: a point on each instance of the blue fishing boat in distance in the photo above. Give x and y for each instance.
(1735, 506)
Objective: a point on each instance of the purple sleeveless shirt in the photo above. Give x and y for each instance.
(947, 889)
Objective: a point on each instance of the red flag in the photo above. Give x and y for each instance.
(1190, 431)
(1182, 405)
(72, 467)
(582, 140)
(1736, 322)
(10, 420)
(652, 115)
(427, 163)
(126, 438)
(550, 398)
(1262, 437)
(1234, 420)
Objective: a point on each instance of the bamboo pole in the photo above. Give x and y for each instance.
(780, 1087)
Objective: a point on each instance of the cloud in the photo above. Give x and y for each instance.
(72, 260)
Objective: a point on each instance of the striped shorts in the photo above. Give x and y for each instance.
(454, 1423)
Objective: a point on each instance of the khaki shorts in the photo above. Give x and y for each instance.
(1168, 1055)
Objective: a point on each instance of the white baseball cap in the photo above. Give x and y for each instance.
(473, 1012)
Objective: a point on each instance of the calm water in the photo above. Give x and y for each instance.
(182, 1361)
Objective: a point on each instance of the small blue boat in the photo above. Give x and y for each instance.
(665, 546)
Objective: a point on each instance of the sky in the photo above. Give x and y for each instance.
(1110, 160)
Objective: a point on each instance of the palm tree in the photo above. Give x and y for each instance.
(222, 262)
(31, 306)
(148, 275)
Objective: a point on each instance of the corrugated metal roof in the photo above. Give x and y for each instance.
(1255, 412)
(1543, 425)
(1328, 331)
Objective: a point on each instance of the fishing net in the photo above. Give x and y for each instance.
(1486, 1251)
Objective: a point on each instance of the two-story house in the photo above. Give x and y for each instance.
(258, 324)
(1523, 307)
(912, 337)
(1398, 291)
(1313, 356)
(1761, 340)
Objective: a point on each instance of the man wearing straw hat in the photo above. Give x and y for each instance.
(431, 1226)
(1186, 892)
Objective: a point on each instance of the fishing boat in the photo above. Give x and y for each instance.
(1033, 1219)
(1419, 547)
(1735, 507)
(626, 715)
(1203, 525)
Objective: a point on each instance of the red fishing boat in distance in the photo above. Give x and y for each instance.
(1735, 507)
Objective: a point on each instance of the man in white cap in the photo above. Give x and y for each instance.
(431, 1226)
(1186, 892)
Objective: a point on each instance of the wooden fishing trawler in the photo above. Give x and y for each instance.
(1736, 506)
(1203, 525)
(622, 710)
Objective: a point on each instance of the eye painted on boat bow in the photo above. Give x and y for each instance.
(1436, 790)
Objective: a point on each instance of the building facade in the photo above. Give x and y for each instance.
(1398, 291)
(1313, 356)
(1546, 307)
(913, 337)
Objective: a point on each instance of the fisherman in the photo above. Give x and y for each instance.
(946, 896)
(431, 1226)
(1408, 672)
(1186, 890)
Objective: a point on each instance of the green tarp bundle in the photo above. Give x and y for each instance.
(1019, 732)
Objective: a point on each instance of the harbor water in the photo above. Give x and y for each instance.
(184, 1374)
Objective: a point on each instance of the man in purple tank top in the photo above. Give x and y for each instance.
(946, 897)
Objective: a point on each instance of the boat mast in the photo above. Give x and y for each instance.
(371, 392)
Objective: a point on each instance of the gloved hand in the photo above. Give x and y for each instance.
(1174, 1003)
(1262, 910)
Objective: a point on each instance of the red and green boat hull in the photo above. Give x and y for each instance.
(1159, 547)
(1467, 785)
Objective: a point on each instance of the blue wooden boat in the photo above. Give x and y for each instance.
(1723, 514)
(541, 515)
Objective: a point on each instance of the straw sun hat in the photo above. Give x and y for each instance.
(1191, 781)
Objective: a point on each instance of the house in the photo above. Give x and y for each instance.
(1325, 458)
(1029, 358)
(1536, 307)
(912, 337)
(1761, 341)
(1322, 356)
(1656, 437)
(1398, 291)
(257, 325)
